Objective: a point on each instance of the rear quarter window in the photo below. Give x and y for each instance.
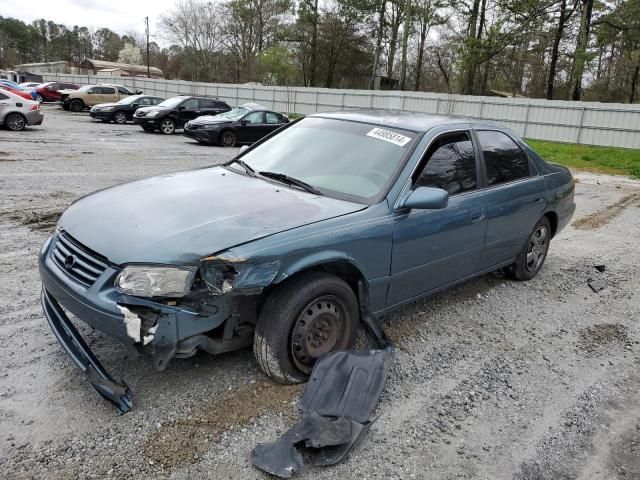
(504, 160)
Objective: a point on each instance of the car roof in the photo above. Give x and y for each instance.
(417, 122)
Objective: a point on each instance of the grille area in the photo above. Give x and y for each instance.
(80, 263)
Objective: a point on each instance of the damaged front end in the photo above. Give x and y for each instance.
(166, 311)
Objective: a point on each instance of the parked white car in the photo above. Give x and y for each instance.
(16, 112)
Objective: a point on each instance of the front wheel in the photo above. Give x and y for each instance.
(534, 252)
(167, 126)
(310, 315)
(120, 118)
(228, 139)
(76, 106)
(15, 122)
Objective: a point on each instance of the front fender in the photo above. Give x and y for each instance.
(315, 259)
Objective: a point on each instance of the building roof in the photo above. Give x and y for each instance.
(103, 64)
(417, 122)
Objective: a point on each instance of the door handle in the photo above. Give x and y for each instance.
(475, 218)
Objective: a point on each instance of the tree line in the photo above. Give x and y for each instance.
(554, 49)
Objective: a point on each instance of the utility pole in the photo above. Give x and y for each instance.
(146, 21)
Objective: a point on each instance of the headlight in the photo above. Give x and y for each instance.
(107, 109)
(153, 113)
(155, 281)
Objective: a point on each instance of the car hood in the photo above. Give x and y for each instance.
(150, 109)
(209, 120)
(103, 105)
(180, 218)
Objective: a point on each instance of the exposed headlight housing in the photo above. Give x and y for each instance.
(155, 281)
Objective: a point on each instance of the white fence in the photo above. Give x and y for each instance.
(610, 124)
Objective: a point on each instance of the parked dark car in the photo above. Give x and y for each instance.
(50, 91)
(120, 112)
(246, 124)
(287, 243)
(174, 112)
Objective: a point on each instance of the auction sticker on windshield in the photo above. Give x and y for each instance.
(389, 136)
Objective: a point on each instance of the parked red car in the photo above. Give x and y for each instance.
(49, 92)
(24, 94)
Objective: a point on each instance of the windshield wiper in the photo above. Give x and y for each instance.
(250, 171)
(281, 177)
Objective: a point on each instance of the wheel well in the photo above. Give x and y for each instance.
(340, 268)
(553, 220)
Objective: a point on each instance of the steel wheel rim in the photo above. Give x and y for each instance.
(119, 117)
(537, 248)
(228, 140)
(15, 122)
(167, 126)
(319, 329)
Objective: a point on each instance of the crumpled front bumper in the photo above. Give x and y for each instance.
(202, 134)
(117, 392)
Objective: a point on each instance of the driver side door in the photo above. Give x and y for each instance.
(189, 110)
(433, 248)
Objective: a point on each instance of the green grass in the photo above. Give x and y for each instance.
(621, 161)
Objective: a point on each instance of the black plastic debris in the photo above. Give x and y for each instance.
(336, 408)
(600, 268)
(335, 411)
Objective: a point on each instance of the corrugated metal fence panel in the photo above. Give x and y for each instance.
(563, 121)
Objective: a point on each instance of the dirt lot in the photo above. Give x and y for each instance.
(493, 379)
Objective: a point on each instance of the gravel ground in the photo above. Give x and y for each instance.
(493, 379)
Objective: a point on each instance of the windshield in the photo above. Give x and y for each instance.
(348, 158)
(172, 102)
(85, 88)
(129, 100)
(234, 114)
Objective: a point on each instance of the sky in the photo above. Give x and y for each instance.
(121, 16)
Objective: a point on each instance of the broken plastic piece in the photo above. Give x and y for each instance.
(600, 268)
(596, 285)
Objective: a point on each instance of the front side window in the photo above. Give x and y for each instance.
(145, 101)
(123, 91)
(340, 158)
(255, 117)
(451, 165)
(191, 104)
(504, 160)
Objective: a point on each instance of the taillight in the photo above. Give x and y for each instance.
(35, 107)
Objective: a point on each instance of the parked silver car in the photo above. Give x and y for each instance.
(16, 112)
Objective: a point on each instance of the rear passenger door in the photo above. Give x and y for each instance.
(515, 196)
(433, 248)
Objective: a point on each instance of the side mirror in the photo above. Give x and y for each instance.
(89, 92)
(181, 107)
(138, 92)
(426, 198)
(243, 149)
(135, 105)
(243, 123)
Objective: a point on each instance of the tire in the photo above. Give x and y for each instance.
(167, 126)
(304, 318)
(65, 107)
(76, 106)
(119, 117)
(228, 139)
(15, 121)
(534, 252)
(39, 98)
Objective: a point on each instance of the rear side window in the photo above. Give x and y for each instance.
(3, 96)
(273, 117)
(106, 90)
(191, 104)
(451, 165)
(503, 158)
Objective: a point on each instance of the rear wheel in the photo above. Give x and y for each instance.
(15, 121)
(120, 118)
(39, 98)
(532, 256)
(76, 106)
(228, 139)
(310, 315)
(167, 126)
